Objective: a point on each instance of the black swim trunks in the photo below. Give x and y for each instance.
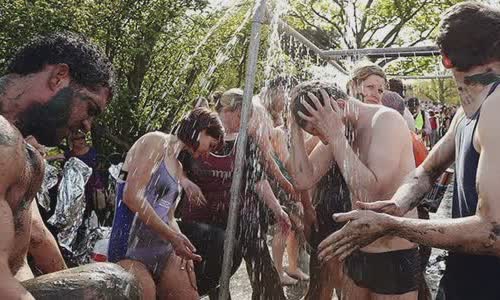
(389, 273)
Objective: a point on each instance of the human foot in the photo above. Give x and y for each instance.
(297, 274)
(287, 280)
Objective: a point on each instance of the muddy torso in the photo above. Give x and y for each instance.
(26, 167)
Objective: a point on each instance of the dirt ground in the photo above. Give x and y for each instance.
(241, 289)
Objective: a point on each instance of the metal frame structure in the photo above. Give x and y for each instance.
(261, 17)
(331, 55)
(253, 53)
(409, 77)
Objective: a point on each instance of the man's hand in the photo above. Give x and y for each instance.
(183, 248)
(389, 207)
(193, 192)
(326, 119)
(363, 228)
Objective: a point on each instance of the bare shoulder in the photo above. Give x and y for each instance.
(149, 147)
(387, 120)
(490, 109)
(151, 140)
(9, 135)
(488, 126)
(11, 154)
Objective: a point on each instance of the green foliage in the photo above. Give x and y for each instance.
(437, 90)
(149, 42)
(166, 55)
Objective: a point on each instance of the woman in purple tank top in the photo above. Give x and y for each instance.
(146, 240)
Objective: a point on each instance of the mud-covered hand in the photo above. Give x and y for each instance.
(363, 227)
(389, 207)
(183, 247)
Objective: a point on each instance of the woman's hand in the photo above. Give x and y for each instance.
(183, 248)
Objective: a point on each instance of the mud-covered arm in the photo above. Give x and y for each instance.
(10, 164)
(43, 246)
(478, 234)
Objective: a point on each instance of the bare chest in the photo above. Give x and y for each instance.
(20, 197)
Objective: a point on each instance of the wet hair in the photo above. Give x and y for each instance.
(396, 85)
(283, 81)
(299, 93)
(194, 122)
(470, 35)
(88, 65)
(232, 99)
(394, 101)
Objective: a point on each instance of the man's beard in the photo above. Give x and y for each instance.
(47, 122)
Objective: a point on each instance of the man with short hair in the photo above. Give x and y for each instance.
(53, 86)
(371, 147)
(470, 45)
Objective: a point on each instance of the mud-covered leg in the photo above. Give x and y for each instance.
(92, 281)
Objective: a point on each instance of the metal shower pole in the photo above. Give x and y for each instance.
(253, 52)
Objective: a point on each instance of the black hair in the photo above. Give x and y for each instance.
(88, 65)
(470, 35)
(299, 94)
(283, 81)
(396, 85)
(189, 128)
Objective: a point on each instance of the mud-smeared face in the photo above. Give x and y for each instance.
(372, 89)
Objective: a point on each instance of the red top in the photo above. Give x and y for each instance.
(419, 150)
(213, 174)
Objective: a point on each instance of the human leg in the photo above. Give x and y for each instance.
(351, 291)
(324, 278)
(278, 248)
(177, 280)
(293, 247)
(142, 275)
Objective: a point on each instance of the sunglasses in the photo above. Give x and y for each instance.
(78, 138)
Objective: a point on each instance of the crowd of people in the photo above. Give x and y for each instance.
(339, 171)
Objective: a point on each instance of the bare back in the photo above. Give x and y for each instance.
(384, 146)
(21, 177)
